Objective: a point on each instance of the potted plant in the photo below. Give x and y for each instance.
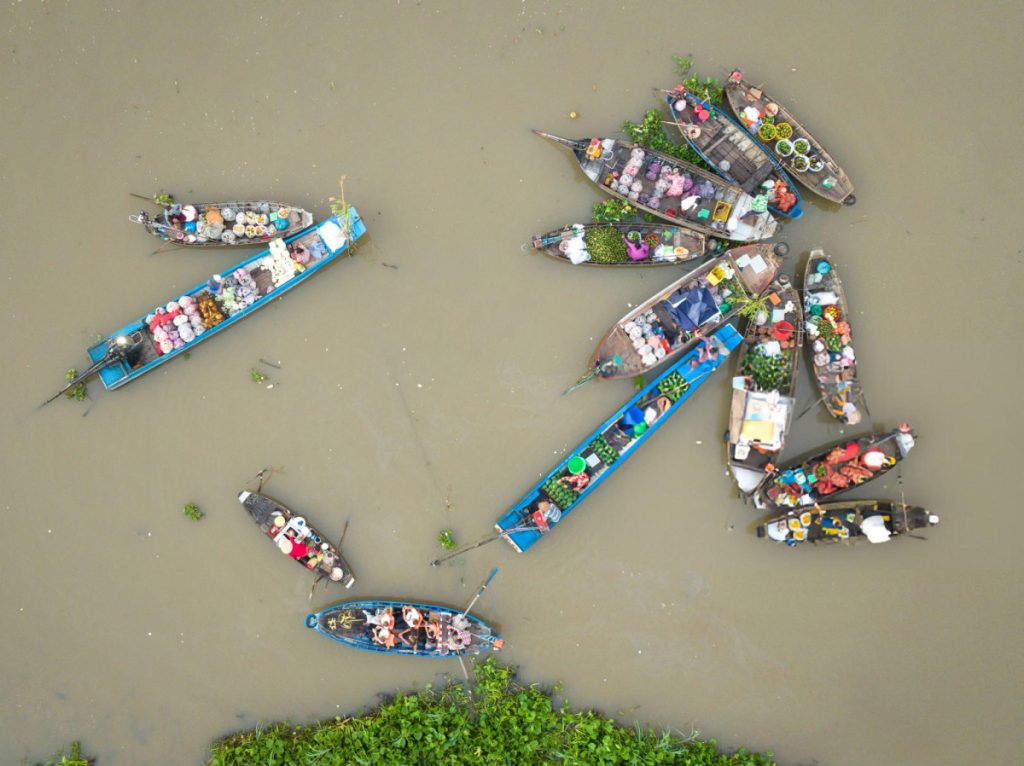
(801, 146)
(800, 163)
(784, 130)
(767, 131)
(784, 148)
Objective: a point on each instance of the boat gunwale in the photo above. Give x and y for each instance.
(738, 89)
(356, 229)
(727, 342)
(798, 207)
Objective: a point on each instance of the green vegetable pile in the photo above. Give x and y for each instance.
(616, 210)
(833, 341)
(604, 450)
(495, 721)
(767, 372)
(605, 245)
(562, 495)
(674, 386)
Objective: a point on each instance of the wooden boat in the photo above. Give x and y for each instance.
(623, 244)
(432, 631)
(657, 183)
(830, 339)
(677, 317)
(297, 539)
(874, 520)
(553, 498)
(827, 474)
(227, 298)
(821, 174)
(727, 147)
(764, 387)
(214, 224)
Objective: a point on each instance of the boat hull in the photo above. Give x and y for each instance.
(836, 469)
(730, 143)
(764, 387)
(721, 209)
(349, 625)
(126, 369)
(278, 522)
(834, 366)
(659, 244)
(876, 521)
(664, 321)
(258, 229)
(830, 182)
(614, 441)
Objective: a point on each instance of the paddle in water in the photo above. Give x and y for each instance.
(598, 369)
(491, 539)
(480, 592)
(321, 576)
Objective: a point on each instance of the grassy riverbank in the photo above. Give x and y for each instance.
(498, 721)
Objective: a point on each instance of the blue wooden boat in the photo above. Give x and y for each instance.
(296, 538)
(227, 298)
(731, 151)
(558, 493)
(390, 627)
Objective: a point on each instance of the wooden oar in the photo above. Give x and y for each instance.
(114, 352)
(491, 539)
(321, 575)
(588, 376)
(480, 592)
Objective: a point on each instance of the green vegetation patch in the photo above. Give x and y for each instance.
(73, 757)
(498, 721)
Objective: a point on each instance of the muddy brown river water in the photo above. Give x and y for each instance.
(427, 370)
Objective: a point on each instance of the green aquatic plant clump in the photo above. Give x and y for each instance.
(708, 87)
(498, 721)
(73, 757)
(650, 134)
(191, 510)
(605, 245)
(77, 391)
(446, 540)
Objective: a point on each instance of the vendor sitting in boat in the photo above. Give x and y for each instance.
(544, 515)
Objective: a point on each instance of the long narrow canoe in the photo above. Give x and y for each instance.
(227, 298)
(724, 145)
(876, 521)
(622, 244)
(764, 387)
(554, 497)
(830, 340)
(673, 190)
(678, 316)
(822, 174)
(405, 627)
(214, 224)
(297, 539)
(836, 469)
